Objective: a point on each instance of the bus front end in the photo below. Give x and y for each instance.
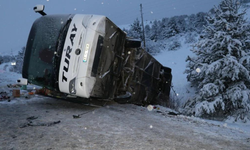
(74, 54)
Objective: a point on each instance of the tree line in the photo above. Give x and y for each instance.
(163, 34)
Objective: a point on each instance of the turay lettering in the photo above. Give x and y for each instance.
(67, 55)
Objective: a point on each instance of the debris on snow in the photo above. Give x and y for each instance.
(48, 124)
(4, 96)
(150, 107)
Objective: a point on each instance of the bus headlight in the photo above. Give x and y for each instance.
(72, 89)
(86, 51)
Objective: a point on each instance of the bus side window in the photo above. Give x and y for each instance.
(98, 52)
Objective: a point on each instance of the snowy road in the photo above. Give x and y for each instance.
(48, 124)
(43, 123)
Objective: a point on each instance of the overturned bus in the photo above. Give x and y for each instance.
(88, 56)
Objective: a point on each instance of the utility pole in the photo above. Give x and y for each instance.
(143, 32)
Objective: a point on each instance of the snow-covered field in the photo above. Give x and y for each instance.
(45, 123)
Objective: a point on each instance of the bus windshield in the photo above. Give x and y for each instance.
(43, 50)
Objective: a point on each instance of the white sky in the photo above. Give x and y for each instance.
(17, 16)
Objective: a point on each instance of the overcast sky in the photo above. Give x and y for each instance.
(17, 16)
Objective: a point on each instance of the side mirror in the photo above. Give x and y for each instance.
(40, 9)
(22, 81)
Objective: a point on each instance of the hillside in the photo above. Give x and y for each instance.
(173, 48)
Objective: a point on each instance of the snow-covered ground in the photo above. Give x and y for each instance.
(39, 122)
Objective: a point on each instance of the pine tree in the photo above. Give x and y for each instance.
(173, 28)
(154, 34)
(163, 28)
(221, 68)
(200, 21)
(191, 23)
(136, 30)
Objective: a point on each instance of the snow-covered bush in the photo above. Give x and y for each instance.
(191, 37)
(153, 47)
(221, 68)
(174, 45)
